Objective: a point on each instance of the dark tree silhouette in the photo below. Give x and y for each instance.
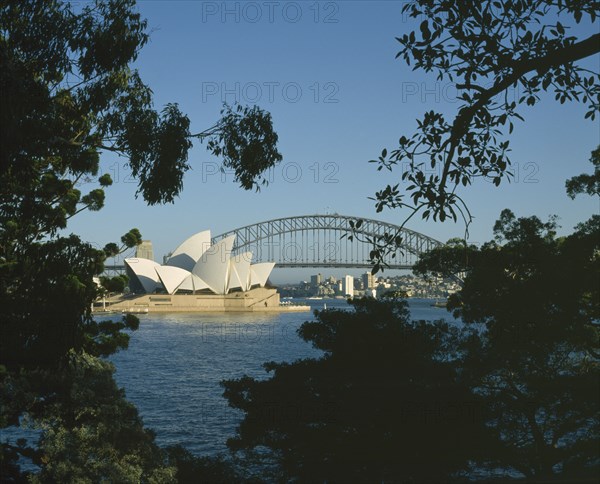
(394, 400)
(68, 95)
(485, 48)
(114, 284)
(584, 183)
(385, 403)
(537, 363)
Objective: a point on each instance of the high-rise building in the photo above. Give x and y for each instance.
(144, 250)
(368, 280)
(316, 279)
(348, 286)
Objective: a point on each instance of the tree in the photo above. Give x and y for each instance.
(585, 183)
(67, 96)
(191, 469)
(485, 48)
(385, 402)
(114, 284)
(536, 364)
(450, 259)
(90, 433)
(394, 400)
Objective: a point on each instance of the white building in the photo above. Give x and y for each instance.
(197, 265)
(348, 286)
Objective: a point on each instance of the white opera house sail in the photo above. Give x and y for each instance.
(197, 265)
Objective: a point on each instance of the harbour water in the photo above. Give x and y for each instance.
(175, 363)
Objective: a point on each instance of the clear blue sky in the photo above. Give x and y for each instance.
(326, 71)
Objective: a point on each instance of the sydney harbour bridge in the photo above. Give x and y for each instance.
(316, 241)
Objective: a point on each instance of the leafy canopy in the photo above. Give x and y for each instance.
(385, 402)
(485, 48)
(536, 364)
(586, 183)
(69, 94)
(67, 97)
(397, 400)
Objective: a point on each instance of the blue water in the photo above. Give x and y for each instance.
(175, 362)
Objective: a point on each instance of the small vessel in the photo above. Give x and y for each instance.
(135, 311)
(440, 304)
(107, 311)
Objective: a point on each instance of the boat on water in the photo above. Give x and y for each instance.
(104, 312)
(440, 304)
(135, 311)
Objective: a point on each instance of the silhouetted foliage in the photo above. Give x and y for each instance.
(198, 470)
(90, 433)
(385, 403)
(67, 95)
(485, 48)
(131, 238)
(585, 183)
(450, 259)
(247, 143)
(523, 374)
(114, 284)
(536, 364)
(111, 249)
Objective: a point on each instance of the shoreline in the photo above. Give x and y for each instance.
(254, 300)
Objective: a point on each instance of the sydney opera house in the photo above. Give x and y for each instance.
(196, 266)
(199, 276)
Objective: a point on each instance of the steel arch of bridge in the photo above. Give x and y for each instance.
(316, 241)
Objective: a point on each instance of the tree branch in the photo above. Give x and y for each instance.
(571, 53)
